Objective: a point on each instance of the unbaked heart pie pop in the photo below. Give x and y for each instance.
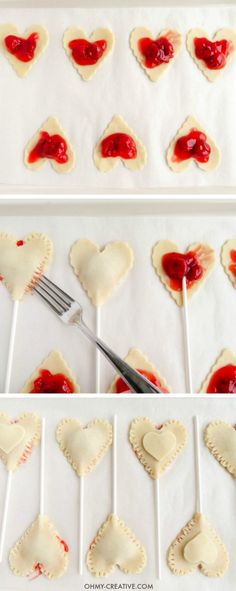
(228, 259)
(193, 144)
(212, 56)
(155, 55)
(221, 379)
(53, 376)
(51, 144)
(220, 438)
(119, 143)
(141, 363)
(86, 53)
(23, 51)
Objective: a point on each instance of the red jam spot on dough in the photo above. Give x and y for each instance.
(118, 144)
(53, 147)
(20, 243)
(64, 544)
(22, 49)
(156, 52)
(177, 266)
(48, 383)
(192, 145)
(121, 386)
(213, 53)
(232, 266)
(86, 53)
(39, 570)
(223, 381)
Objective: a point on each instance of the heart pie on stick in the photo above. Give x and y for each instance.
(220, 438)
(212, 56)
(141, 363)
(18, 438)
(222, 377)
(155, 55)
(228, 260)
(88, 53)
(52, 376)
(119, 142)
(193, 143)
(23, 52)
(50, 143)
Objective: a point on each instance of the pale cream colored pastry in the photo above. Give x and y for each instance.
(225, 358)
(22, 265)
(227, 261)
(18, 438)
(100, 270)
(198, 546)
(55, 363)
(115, 545)
(157, 446)
(225, 33)
(220, 438)
(119, 125)
(173, 36)
(87, 72)
(205, 255)
(22, 68)
(52, 127)
(40, 545)
(190, 124)
(138, 360)
(84, 445)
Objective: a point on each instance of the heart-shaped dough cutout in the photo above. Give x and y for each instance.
(198, 546)
(172, 36)
(119, 126)
(228, 260)
(18, 438)
(221, 375)
(55, 364)
(74, 33)
(204, 256)
(40, 551)
(40, 42)
(84, 446)
(178, 164)
(115, 545)
(45, 146)
(223, 34)
(220, 438)
(139, 361)
(22, 262)
(173, 431)
(100, 270)
(159, 445)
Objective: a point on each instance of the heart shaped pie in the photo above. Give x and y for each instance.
(22, 262)
(220, 438)
(18, 438)
(119, 142)
(50, 143)
(23, 52)
(141, 363)
(100, 270)
(88, 53)
(198, 546)
(228, 260)
(212, 56)
(115, 545)
(155, 55)
(171, 266)
(40, 551)
(192, 143)
(157, 446)
(84, 446)
(52, 376)
(222, 376)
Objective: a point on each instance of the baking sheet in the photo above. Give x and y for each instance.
(154, 111)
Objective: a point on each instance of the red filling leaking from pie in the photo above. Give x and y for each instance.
(213, 53)
(121, 386)
(48, 383)
(86, 53)
(64, 544)
(119, 144)
(193, 145)
(22, 49)
(156, 52)
(53, 147)
(223, 381)
(232, 266)
(177, 266)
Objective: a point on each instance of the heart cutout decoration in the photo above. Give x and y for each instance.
(119, 126)
(172, 36)
(139, 361)
(204, 257)
(229, 35)
(18, 438)
(115, 545)
(179, 164)
(225, 359)
(22, 262)
(228, 260)
(220, 438)
(100, 35)
(84, 446)
(55, 364)
(39, 44)
(151, 442)
(50, 144)
(100, 270)
(198, 546)
(40, 551)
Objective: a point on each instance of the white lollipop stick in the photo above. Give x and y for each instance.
(81, 524)
(5, 513)
(188, 368)
(98, 356)
(198, 483)
(114, 466)
(11, 347)
(42, 469)
(157, 528)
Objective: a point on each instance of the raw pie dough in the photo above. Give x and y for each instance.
(225, 358)
(115, 545)
(84, 446)
(119, 125)
(22, 68)
(226, 259)
(55, 363)
(220, 438)
(138, 360)
(52, 126)
(205, 255)
(224, 33)
(21, 266)
(40, 544)
(215, 156)
(173, 37)
(100, 270)
(157, 446)
(18, 438)
(87, 72)
(198, 546)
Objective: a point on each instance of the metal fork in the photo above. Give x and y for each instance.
(71, 313)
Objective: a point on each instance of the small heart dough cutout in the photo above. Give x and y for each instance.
(138, 360)
(176, 165)
(228, 261)
(119, 125)
(173, 37)
(159, 445)
(55, 363)
(22, 68)
(225, 33)
(226, 357)
(220, 438)
(87, 72)
(52, 127)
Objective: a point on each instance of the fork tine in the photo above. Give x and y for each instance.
(47, 298)
(55, 289)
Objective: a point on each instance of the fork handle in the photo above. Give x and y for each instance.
(136, 382)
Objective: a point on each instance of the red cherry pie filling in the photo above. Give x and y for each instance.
(156, 52)
(22, 49)
(86, 53)
(223, 381)
(193, 145)
(232, 266)
(53, 147)
(119, 144)
(213, 53)
(48, 383)
(177, 266)
(121, 386)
